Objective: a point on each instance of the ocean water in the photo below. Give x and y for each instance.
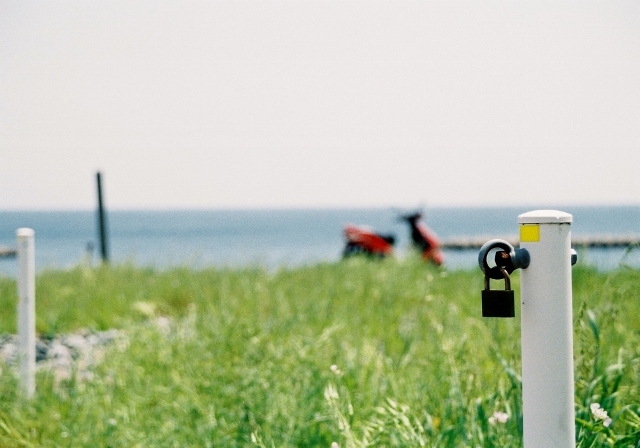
(274, 238)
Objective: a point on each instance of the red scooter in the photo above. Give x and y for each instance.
(363, 240)
(424, 238)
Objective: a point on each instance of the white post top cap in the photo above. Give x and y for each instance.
(545, 217)
(25, 232)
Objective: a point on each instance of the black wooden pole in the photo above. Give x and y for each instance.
(102, 221)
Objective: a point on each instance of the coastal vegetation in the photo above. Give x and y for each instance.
(355, 353)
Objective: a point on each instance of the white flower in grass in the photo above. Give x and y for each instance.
(499, 417)
(600, 414)
(334, 368)
(330, 393)
(335, 445)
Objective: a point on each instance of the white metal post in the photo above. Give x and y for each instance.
(547, 330)
(27, 309)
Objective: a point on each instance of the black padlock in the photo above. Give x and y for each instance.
(498, 303)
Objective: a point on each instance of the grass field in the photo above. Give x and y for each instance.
(359, 352)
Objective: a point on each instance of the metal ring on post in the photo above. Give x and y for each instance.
(494, 272)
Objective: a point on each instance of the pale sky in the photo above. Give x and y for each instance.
(208, 104)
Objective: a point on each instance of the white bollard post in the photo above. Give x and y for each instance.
(547, 330)
(27, 310)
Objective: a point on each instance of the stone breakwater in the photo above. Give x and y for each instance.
(64, 354)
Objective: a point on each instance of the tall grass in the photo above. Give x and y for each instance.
(360, 352)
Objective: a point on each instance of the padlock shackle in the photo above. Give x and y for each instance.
(507, 279)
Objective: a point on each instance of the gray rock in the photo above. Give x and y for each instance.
(62, 352)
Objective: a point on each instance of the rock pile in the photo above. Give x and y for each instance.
(65, 353)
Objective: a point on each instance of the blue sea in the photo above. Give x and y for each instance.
(277, 238)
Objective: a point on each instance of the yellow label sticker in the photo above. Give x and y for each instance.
(529, 233)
